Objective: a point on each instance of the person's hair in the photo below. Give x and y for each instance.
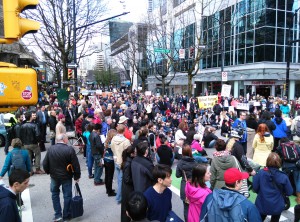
(121, 128)
(163, 139)
(198, 174)
(107, 118)
(141, 148)
(192, 126)
(266, 115)
(187, 150)
(127, 153)
(278, 113)
(273, 160)
(60, 137)
(206, 131)
(90, 127)
(107, 113)
(27, 115)
(144, 122)
(16, 143)
(243, 113)
(261, 130)
(232, 185)
(18, 115)
(161, 171)
(143, 131)
(181, 125)
(98, 127)
(136, 206)
(110, 134)
(18, 176)
(220, 145)
(284, 140)
(150, 125)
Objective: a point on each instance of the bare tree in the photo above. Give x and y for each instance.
(55, 38)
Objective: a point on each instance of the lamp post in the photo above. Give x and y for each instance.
(288, 56)
(74, 39)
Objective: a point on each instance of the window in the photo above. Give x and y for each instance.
(280, 36)
(249, 55)
(259, 53)
(260, 36)
(280, 19)
(269, 53)
(270, 35)
(279, 53)
(241, 56)
(250, 38)
(241, 40)
(271, 17)
(260, 18)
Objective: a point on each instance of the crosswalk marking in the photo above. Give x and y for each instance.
(27, 212)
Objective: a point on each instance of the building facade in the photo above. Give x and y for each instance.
(246, 39)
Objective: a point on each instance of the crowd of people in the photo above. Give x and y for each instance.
(137, 138)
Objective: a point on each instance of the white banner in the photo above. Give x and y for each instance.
(226, 89)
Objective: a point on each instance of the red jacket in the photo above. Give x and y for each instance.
(78, 126)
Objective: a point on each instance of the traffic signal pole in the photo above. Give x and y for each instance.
(75, 41)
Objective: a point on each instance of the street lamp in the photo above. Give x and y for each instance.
(288, 56)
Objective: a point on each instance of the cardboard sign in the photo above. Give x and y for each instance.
(207, 101)
(226, 89)
(147, 93)
(242, 106)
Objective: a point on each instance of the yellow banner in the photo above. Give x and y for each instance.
(207, 101)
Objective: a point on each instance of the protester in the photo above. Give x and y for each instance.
(271, 184)
(164, 153)
(62, 164)
(281, 128)
(241, 124)
(159, 196)
(227, 204)
(196, 191)
(18, 182)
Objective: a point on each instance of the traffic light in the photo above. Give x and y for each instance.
(15, 27)
(70, 73)
(192, 53)
(18, 86)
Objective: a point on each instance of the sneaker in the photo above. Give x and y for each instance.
(58, 219)
(91, 176)
(98, 183)
(112, 194)
(39, 172)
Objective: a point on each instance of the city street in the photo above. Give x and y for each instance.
(97, 205)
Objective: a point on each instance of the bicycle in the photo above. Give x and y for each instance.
(77, 143)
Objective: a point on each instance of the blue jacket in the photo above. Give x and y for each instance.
(105, 128)
(8, 206)
(269, 200)
(8, 161)
(285, 109)
(242, 124)
(225, 199)
(281, 128)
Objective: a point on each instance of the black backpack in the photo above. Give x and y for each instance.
(289, 152)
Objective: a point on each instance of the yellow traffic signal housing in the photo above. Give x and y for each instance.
(70, 73)
(15, 26)
(18, 86)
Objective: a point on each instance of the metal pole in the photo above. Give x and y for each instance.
(74, 48)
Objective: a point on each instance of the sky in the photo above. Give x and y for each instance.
(137, 8)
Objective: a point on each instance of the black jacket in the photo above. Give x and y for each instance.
(190, 136)
(29, 133)
(270, 124)
(52, 123)
(186, 164)
(96, 144)
(141, 169)
(165, 155)
(58, 157)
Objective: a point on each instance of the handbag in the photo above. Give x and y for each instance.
(287, 202)
(172, 217)
(76, 203)
(244, 188)
(186, 200)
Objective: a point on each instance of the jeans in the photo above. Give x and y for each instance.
(98, 169)
(67, 194)
(90, 160)
(120, 177)
(296, 175)
(212, 144)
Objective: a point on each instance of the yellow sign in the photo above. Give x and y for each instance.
(207, 101)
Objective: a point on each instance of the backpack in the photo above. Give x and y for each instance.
(298, 128)
(17, 160)
(234, 213)
(289, 152)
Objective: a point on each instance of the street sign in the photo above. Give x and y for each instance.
(181, 53)
(224, 77)
(72, 66)
(162, 50)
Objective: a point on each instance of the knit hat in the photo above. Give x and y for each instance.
(61, 116)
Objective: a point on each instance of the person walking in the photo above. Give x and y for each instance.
(62, 164)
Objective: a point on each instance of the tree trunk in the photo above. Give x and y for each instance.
(190, 85)
(143, 85)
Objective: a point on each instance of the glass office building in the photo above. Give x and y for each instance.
(253, 35)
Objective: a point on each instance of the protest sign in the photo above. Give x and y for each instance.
(242, 106)
(207, 101)
(226, 90)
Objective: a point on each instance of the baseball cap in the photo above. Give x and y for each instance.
(61, 116)
(120, 110)
(232, 175)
